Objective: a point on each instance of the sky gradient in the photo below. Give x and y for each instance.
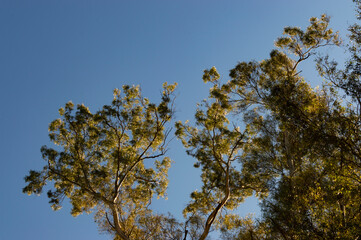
(80, 50)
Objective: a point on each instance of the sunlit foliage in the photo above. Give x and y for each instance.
(111, 162)
(263, 133)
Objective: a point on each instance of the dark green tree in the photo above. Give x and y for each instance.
(298, 145)
(304, 142)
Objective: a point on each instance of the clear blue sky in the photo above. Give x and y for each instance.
(80, 50)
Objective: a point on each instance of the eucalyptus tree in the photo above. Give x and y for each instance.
(296, 145)
(111, 162)
(305, 142)
(217, 144)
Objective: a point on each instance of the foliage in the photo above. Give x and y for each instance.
(265, 132)
(300, 146)
(303, 142)
(111, 161)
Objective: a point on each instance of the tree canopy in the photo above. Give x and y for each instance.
(266, 133)
(112, 161)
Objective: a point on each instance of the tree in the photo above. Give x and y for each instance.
(299, 145)
(111, 162)
(237, 163)
(216, 144)
(304, 142)
(265, 132)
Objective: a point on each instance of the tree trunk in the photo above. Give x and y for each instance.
(214, 213)
(116, 223)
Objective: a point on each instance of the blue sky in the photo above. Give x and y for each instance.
(80, 50)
